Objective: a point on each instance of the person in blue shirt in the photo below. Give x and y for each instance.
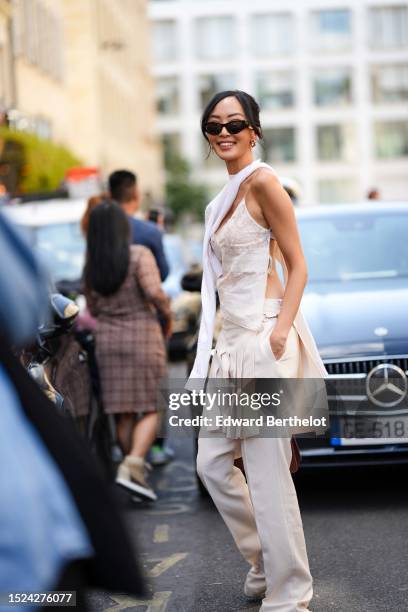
(53, 534)
(123, 189)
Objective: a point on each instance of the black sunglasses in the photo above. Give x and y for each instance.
(233, 127)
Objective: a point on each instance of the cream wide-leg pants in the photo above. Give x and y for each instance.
(261, 511)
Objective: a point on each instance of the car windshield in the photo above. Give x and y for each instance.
(355, 247)
(61, 247)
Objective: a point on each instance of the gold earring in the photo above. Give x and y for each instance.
(252, 143)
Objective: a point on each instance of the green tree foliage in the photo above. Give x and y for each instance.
(182, 194)
(30, 164)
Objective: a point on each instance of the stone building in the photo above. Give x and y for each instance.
(82, 78)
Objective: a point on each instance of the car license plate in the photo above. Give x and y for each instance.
(354, 431)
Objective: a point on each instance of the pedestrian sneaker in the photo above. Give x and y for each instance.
(160, 455)
(131, 476)
(157, 456)
(255, 582)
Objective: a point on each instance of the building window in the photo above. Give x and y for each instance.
(335, 143)
(171, 146)
(393, 186)
(279, 144)
(167, 95)
(215, 38)
(388, 27)
(339, 190)
(331, 29)
(164, 36)
(272, 34)
(332, 86)
(391, 139)
(55, 65)
(37, 36)
(209, 84)
(30, 29)
(389, 83)
(17, 24)
(275, 89)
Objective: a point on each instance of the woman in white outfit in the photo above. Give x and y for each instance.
(264, 335)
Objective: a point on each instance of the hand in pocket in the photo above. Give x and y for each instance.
(277, 343)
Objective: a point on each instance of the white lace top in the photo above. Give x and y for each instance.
(242, 247)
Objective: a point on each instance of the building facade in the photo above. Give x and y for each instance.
(40, 103)
(6, 58)
(111, 87)
(331, 79)
(83, 79)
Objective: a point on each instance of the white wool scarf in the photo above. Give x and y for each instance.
(214, 214)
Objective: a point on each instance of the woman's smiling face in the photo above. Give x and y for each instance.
(227, 146)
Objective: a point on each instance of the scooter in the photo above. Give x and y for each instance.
(37, 358)
(62, 361)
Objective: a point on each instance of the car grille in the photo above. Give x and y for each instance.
(364, 366)
(347, 383)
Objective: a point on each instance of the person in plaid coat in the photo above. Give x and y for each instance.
(124, 293)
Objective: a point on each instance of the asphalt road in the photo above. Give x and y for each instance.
(356, 528)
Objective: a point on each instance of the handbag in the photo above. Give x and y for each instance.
(296, 458)
(294, 463)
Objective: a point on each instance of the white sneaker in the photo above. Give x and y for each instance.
(131, 476)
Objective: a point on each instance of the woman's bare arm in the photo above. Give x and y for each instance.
(277, 209)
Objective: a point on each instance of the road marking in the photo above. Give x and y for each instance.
(161, 533)
(173, 507)
(165, 563)
(164, 484)
(157, 604)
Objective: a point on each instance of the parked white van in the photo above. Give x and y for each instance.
(53, 229)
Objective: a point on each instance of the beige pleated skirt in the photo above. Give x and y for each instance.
(241, 353)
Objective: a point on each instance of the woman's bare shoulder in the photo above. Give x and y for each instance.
(267, 191)
(265, 187)
(264, 180)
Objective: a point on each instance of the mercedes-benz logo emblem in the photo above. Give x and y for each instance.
(386, 385)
